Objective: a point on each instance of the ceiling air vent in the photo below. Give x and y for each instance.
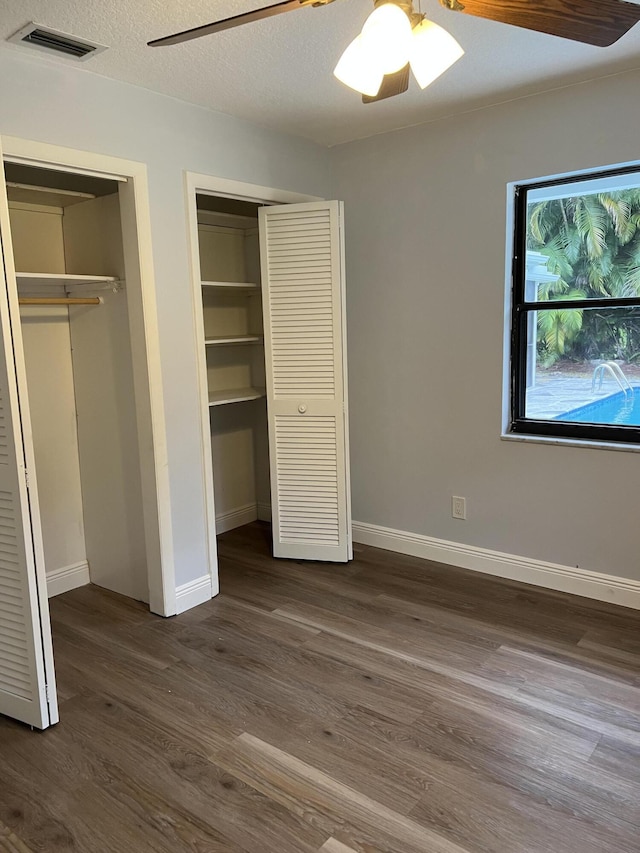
(53, 41)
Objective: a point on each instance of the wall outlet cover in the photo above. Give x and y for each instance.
(458, 507)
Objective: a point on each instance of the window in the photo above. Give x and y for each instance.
(575, 342)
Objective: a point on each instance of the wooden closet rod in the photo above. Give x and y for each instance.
(59, 300)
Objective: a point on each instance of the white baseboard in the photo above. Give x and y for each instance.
(610, 588)
(66, 578)
(192, 594)
(264, 511)
(236, 518)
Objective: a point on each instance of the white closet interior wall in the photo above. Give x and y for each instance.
(260, 424)
(47, 349)
(229, 254)
(80, 385)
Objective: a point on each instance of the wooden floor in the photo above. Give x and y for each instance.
(389, 705)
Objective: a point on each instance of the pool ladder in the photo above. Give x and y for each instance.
(616, 373)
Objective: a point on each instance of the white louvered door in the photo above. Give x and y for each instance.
(302, 261)
(27, 682)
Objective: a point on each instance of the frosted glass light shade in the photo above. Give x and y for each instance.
(388, 38)
(358, 69)
(433, 50)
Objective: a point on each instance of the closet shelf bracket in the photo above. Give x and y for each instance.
(115, 286)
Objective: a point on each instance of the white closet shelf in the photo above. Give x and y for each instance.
(62, 278)
(49, 196)
(233, 285)
(219, 340)
(234, 395)
(226, 220)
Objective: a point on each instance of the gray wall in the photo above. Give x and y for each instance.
(59, 104)
(426, 228)
(425, 242)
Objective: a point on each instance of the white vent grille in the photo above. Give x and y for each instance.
(307, 466)
(301, 303)
(53, 41)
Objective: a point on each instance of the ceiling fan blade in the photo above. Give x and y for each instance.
(392, 84)
(235, 21)
(597, 22)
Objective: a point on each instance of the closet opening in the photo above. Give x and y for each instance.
(233, 343)
(88, 410)
(269, 310)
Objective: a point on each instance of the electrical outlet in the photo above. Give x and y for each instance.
(458, 507)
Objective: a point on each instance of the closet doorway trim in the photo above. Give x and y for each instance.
(135, 212)
(226, 188)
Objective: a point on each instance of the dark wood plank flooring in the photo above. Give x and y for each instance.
(389, 705)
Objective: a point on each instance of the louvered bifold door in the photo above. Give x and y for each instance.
(27, 686)
(302, 261)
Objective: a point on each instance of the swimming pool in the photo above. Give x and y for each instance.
(618, 408)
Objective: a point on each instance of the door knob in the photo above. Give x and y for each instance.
(302, 408)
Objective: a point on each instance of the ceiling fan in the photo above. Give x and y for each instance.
(395, 37)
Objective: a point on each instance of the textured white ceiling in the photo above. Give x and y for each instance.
(278, 72)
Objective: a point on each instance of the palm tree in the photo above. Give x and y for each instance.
(593, 245)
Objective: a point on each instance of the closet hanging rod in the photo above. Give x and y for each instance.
(61, 300)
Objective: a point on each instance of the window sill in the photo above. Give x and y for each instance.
(570, 442)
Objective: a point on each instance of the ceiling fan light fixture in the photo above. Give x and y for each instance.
(387, 36)
(387, 43)
(433, 50)
(359, 69)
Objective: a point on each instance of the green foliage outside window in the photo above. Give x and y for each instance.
(593, 245)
